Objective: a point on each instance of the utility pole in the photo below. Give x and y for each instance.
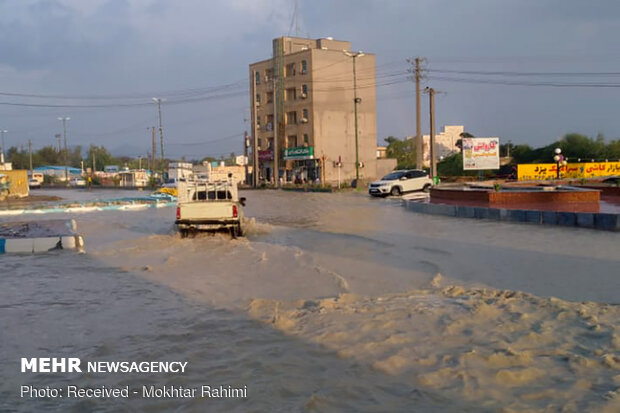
(161, 129)
(153, 149)
(2, 153)
(431, 96)
(254, 133)
(30, 154)
(246, 145)
(276, 132)
(64, 120)
(356, 101)
(58, 136)
(419, 143)
(94, 161)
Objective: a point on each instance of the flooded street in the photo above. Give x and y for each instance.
(333, 302)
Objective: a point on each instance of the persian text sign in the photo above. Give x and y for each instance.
(542, 171)
(480, 153)
(266, 155)
(299, 153)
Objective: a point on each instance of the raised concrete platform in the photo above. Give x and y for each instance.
(39, 236)
(597, 220)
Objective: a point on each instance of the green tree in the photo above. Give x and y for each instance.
(19, 159)
(102, 158)
(403, 151)
(48, 155)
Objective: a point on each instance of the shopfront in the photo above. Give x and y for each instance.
(302, 167)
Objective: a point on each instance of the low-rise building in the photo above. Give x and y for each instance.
(60, 173)
(134, 178)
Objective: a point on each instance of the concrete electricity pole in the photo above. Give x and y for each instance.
(30, 154)
(419, 143)
(254, 133)
(161, 129)
(2, 153)
(276, 132)
(58, 136)
(431, 96)
(246, 145)
(356, 101)
(64, 134)
(153, 149)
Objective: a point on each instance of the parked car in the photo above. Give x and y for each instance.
(77, 182)
(400, 182)
(34, 183)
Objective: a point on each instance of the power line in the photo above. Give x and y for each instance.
(510, 73)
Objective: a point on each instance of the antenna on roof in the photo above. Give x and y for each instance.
(295, 19)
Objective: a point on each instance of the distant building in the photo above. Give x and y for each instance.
(58, 172)
(381, 152)
(314, 110)
(135, 178)
(179, 170)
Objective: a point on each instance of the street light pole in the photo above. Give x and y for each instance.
(356, 101)
(64, 134)
(560, 161)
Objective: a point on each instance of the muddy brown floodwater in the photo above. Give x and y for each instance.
(333, 302)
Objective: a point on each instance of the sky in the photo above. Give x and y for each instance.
(528, 71)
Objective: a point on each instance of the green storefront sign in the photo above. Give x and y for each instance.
(299, 153)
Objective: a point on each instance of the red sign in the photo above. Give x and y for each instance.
(266, 155)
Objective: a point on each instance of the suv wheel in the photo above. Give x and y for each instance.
(395, 191)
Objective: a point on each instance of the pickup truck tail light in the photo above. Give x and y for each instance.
(178, 212)
(235, 212)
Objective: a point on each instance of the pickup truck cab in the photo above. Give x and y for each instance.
(209, 206)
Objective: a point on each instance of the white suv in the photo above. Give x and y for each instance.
(400, 182)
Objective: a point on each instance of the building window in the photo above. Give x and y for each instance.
(304, 113)
(304, 67)
(306, 139)
(257, 77)
(258, 121)
(291, 94)
(269, 143)
(291, 118)
(259, 142)
(290, 70)
(304, 89)
(269, 97)
(268, 75)
(292, 141)
(258, 99)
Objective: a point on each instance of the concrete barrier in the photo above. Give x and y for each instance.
(600, 221)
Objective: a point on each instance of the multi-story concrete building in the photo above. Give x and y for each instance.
(445, 143)
(304, 96)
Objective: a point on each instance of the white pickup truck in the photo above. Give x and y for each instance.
(209, 206)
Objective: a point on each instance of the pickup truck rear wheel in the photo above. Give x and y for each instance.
(183, 233)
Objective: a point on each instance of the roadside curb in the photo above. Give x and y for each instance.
(597, 220)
